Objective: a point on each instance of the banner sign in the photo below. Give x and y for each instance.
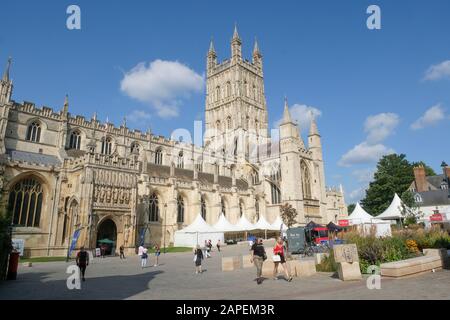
(436, 217)
(343, 223)
(142, 236)
(18, 245)
(75, 237)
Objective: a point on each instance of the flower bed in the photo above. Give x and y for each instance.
(403, 244)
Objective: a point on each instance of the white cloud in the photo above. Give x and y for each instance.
(139, 117)
(162, 84)
(380, 126)
(356, 195)
(301, 114)
(430, 117)
(364, 175)
(438, 71)
(364, 153)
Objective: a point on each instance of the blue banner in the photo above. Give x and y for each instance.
(75, 237)
(142, 236)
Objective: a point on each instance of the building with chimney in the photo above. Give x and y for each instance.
(62, 172)
(431, 193)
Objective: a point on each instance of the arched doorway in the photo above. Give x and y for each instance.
(107, 236)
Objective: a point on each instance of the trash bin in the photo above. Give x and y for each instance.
(13, 266)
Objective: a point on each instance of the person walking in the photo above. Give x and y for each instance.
(122, 254)
(206, 248)
(218, 245)
(258, 256)
(210, 245)
(144, 257)
(157, 254)
(198, 257)
(279, 258)
(82, 261)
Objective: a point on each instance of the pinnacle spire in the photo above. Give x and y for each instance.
(66, 104)
(211, 47)
(286, 114)
(235, 33)
(256, 48)
(313, 130)
(8, 67)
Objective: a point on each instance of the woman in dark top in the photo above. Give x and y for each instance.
(258, 256)
(198, 257)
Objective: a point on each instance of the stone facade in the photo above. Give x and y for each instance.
(62, 172)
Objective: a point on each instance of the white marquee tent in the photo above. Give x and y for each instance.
(196, 233)
(262, 224)
(278, 224)
(366, 222)
(224, 225)
(394, 211)
(244, 225)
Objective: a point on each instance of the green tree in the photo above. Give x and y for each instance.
(351, 207)
(5, 241)
(394, 175)
(288, 214)
(428, 170)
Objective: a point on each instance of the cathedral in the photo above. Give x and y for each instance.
(62, 172)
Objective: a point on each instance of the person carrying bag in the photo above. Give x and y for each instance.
(279, 258)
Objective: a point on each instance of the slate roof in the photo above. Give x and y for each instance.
(434, 198)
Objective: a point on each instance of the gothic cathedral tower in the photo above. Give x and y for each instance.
(235, 111)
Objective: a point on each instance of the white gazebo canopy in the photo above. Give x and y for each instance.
(278, 224)
(196, 234)
(224, 225)
(359, 215)
(394, 211)
(244, 225)
(262, 224)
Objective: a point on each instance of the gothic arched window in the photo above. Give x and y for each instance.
(107, 146)
(34, 132)
(306, 180)
(228, 89)
(25, 202)
(75, 140)
(222, 207)
(229, 124)
(180, 160)
(257, 209)
(203, 207)
(180, 209)
(153, 214)
(135, 148)
(158, 156)
(217, 93)
(255, 177)
(241, 209)
(276, 194)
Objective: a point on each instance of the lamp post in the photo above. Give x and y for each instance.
(164, 230)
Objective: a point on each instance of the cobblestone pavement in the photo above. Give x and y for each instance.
(112, 278)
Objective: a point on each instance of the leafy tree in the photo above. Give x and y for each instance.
(394, 175)
(409, 208)
(288, 214)
(428, 170)
(351, 207)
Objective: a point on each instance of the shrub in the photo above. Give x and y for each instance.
(328, 264)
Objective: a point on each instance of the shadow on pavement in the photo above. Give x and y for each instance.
(97, 288)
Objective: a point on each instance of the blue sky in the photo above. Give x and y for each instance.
(372, 88)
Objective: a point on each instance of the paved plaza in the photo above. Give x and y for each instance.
(112, 278)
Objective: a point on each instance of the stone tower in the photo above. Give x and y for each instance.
(235, 110)
(6, 85)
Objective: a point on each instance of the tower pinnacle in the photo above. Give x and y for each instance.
(6, 73)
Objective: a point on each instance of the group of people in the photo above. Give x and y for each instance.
(143, 254)
(258, 256)
(200, 254)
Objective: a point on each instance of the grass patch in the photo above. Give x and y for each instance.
(42, 259)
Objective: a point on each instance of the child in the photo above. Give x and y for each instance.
(157, 254)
